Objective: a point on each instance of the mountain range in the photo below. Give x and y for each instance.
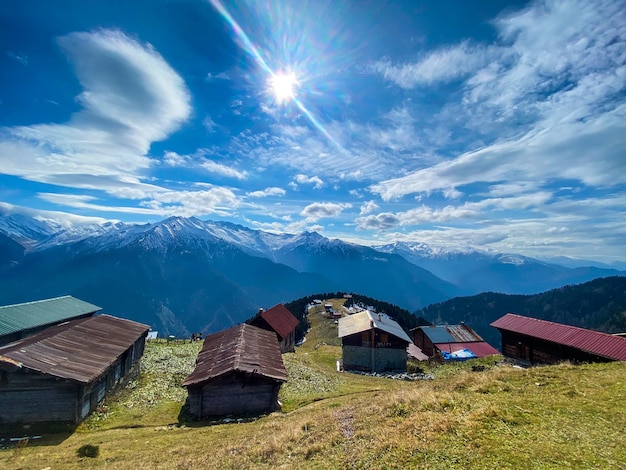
(182, 275)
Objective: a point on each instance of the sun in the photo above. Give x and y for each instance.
(283, 86)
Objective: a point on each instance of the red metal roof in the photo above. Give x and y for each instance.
(280, 319)
(594, 342)
(80, 350)
(479, 348)
(243, 348)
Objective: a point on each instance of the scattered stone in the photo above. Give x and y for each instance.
(395, 375)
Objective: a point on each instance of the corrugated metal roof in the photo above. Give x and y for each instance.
(450, 333)
(365, 320)
(594, 342)
(18, 317)
(280, 319)
(479, 348)
(243, 348)
(80, 350)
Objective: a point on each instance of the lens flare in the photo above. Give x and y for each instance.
(283, 86)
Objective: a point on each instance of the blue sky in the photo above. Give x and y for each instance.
(484, 124)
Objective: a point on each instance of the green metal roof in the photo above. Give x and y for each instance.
(18, 317)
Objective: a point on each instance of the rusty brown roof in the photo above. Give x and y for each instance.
(80, 350)
(280, 319)
(243, 348)
(594, 342)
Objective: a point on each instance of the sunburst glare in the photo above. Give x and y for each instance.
(283, 86)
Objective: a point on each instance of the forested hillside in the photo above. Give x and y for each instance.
(598, 305)
(405, 318)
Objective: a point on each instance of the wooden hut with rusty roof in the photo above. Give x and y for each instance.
(281, 321)
(536, 341)
(238, 371)
(63, 372)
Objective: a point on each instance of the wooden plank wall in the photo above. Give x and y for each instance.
(32, 397)
(234, 394)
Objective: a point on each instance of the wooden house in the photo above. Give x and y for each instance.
(451, 342)
(21, 320)
(372, 342)
(531, 340)
(282, 322)
(238, 371)
(64, 371)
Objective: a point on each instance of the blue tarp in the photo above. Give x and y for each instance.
(460, 355)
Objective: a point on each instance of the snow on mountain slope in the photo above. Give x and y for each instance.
(27, 230)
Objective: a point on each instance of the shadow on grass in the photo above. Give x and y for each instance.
(185, 418)
(38, 434)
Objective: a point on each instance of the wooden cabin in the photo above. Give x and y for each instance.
(535, 341)
(451, 342)
(372, 342)
(239, 371)
(21, 320)
(64, 371)
(282, 322)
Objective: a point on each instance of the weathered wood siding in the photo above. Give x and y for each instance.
(374, 351)
(373, 359)
(538, 351)
(27, 397)
(423, 342)
(234, 394)
(288, 344)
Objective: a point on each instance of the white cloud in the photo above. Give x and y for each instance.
(209, 124)
(174, 159)
(368, 207)
(382, 221)
(316, 181)
(531, 203)
(65, 219)
(218, 76)
(131, 98)
(549, 103)
(584, 151)
(442, 65)
(220, 169)
(164, 203)
(272, 191)
(318, 210)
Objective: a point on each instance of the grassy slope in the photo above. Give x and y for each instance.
(504, 417)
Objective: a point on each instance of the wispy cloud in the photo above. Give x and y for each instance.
(554, 85)
(131, 98)
(21, 58)
(162, 203)
(273, 191)
(223, 170)
(442, 65)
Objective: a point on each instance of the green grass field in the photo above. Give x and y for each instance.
(560, 416)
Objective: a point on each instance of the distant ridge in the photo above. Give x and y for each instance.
(598, 305)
